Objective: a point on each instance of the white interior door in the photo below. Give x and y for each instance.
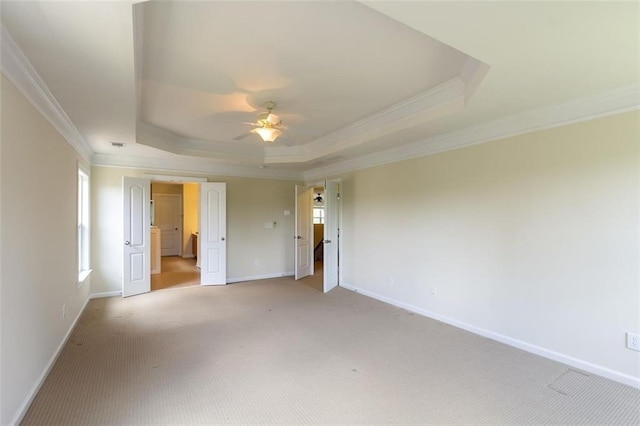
(168, 217)
(136, 271)
(212, 250)
(330, 262)
(304, 233)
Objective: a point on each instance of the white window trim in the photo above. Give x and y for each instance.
(83, 273)
(320, 218)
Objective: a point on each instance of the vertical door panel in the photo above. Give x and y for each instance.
(213, 225)
(304, 233)
(213, 205)
(137, 267)
(330, 261)
(136, 271)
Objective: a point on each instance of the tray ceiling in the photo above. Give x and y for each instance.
(176, 81)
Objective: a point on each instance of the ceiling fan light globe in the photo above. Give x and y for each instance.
(268, 134)
(273, 119)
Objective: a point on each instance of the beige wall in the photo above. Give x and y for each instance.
(250, 204)
(533, 238)
(190, 204)
(39, 253)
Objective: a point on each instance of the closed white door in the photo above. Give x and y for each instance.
(212, 250)
(330, 260)
(304, 233)
(136, 242)
(168, 217)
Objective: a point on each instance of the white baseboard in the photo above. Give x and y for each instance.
(45, 372)
(105, 294)
(617, 376)
(188, 256)
(260, 277)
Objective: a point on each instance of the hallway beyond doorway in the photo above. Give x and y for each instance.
(176, 272)
(316, 280)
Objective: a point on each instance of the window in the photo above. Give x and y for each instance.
(318, 215)
(83, 225)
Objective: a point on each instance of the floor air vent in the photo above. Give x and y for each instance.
(570, 382)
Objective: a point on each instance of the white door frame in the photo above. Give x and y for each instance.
(331, 237)
(337, 222)
(162, 178)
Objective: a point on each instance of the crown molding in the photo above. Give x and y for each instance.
(444, 99)
(472, 74)
(156, 137)
(17, 68)
(395, 118)
(448, 97)
(285, 154)
(205, 166)
(616, 101)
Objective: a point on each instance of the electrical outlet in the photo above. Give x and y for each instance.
(256, 262)
(434, 291)
(633, 341)
(64, 311)
(390, 280)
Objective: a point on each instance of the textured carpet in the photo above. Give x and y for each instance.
(315, 281)
(276, 351)
(176, 272)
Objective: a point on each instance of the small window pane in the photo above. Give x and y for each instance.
(83, 221)
(318, 215)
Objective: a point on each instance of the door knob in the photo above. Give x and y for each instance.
(298, 237)
(327, 241)
(222, 239)
(127, 243)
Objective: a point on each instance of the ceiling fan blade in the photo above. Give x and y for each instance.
(233, 122)
(238, 138)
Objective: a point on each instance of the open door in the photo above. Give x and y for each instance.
(212, 253)
(304, 233)
(330, 262)
(136, 270)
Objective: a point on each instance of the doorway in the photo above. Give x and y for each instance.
(176, 272)
(139, 235)
(317, 235)
(175, 215)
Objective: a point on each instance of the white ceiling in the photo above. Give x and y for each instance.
(353, 81)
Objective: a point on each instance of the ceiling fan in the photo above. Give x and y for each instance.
(268, 125)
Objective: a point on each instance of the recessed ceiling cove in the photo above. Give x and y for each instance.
(342, 76)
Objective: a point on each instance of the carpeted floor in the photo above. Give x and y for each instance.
(175, 272)
(280, 352)
(315, 281)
